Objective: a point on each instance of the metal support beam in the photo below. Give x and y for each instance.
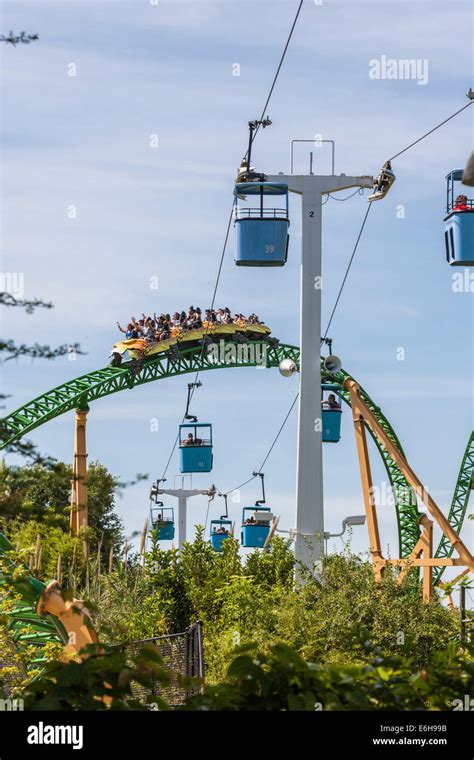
(420, 490)
(183, 494)
(423, 548)
(422, 553)
(309, 541)
(367, 489)
(427, 543)
(79, 516)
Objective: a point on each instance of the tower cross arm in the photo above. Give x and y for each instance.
(331, 183)
(186, 492)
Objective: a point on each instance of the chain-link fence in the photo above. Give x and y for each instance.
(182, 654)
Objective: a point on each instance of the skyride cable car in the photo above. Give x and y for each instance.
(195, 441)
(261, 232)
(220, 529)
(195, 447)
(458, 224)
(256, 521)
(331, 412)
(161, 520)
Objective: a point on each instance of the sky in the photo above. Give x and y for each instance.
(82, 107)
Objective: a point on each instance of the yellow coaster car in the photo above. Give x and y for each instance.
(139, 348)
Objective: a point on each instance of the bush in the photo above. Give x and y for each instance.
(280, 679)
(102, 681)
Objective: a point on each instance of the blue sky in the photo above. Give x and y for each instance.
(167, 69)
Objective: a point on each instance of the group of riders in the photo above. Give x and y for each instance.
(166, 326)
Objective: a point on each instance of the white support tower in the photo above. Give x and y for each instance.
(309, 476)
(183, 494)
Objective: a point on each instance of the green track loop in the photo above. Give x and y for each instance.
(103, 382)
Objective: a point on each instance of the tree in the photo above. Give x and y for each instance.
(42, 494)
(10, 350)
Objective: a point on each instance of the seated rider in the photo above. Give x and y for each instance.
(331, 402)
(189, 441)
(130, 332)
(461, 204)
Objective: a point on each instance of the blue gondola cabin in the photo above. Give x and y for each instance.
(458, 224)
(255, 526)
(195, 447)
(162, 523)
(220, 530)
(331, 412)
(261, 232)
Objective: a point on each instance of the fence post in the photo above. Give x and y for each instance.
(462, 613)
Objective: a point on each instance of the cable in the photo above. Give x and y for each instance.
(347, 270)
(431, 130)
(370, 204)
(237, 488)
(163, 477)
(269, 450)
(279, 432)
(277, 72)
(359, 190)
(203, 345)
(275, 78)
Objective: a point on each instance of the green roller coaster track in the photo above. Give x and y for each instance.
(462, 492)
(78, 393)
(23, 592)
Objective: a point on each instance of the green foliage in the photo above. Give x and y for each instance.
(42, 494)
(104, 680)
(322, 618)
(280, 679)
(328, 620)
(124, 606)
(54, 543)
(36, 493)
(257, 600)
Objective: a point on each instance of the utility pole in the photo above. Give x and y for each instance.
(309, 478)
